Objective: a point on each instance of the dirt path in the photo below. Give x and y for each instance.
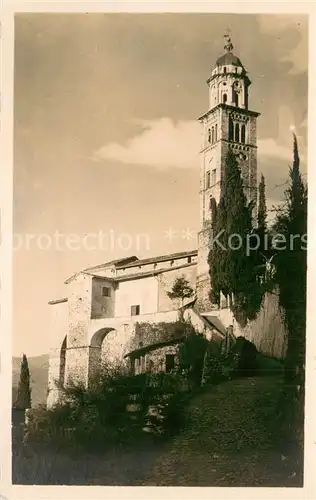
(230, 440)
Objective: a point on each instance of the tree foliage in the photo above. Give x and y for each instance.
(233, 271)
(290, 276)
(23, 400)
(181, 289)
(262, 209)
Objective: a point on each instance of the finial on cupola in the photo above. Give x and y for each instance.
(229, 46)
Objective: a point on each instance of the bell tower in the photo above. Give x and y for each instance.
(228, 123)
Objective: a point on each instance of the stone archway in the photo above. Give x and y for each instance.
(107, 348)
(100, 340)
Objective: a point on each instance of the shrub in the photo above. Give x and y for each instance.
(246, 352)
(97, 416)
(191, 354)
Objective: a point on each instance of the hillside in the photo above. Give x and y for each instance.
(38, 366)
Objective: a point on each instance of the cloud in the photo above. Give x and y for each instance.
(270, 148)
(277, 24)
(164, 143)
(161, 144)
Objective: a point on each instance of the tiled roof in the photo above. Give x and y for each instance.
(101, 266)
(154, 272)
(133, 261)
(161, 258)
(116, 263)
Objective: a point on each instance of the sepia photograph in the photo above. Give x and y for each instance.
(159, 249)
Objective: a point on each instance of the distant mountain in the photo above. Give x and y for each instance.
(38, 366)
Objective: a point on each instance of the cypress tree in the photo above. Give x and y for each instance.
(232, 271)
(216, 257)
(23, 400)
(262, 210)
(291, 275)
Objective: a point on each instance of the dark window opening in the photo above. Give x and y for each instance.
(211, 203)
(225, 69)
(189, 260)
(212, 135)
(170, 362)
(106, 291)
(213, 176)
(216, 132)
(243, 134)
(209, 135)
(135, 310)
(208, 179)
(231, 130)
(237, 132)
(236, 99)
(224, 98)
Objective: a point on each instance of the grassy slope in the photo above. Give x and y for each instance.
(231, 439)
(38, 366)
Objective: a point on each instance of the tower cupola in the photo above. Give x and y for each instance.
(229, 81)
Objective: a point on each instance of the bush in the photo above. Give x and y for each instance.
(97, 417)
(246, 352)
(192, 353)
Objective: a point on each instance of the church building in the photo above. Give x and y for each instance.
(116, 310)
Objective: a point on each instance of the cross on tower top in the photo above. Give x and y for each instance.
(228, 46)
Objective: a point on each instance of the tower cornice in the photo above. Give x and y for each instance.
(230, 108)
(242, 76)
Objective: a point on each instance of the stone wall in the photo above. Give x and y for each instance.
(268, 331)
(102, 306)
(147, 334)
(58, 333)
(155, 360)
(79, 309)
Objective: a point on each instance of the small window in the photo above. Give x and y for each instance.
(212, 135)
(210, 203)
(243, 134)
(170, 362)
(231, 130)
(209, 135)
(213, 176)
(189, 260)
(237, 132)
(106, 291)
(216, 132)
(224, 98)
(135, 310)
(208, 179)
(225, 69)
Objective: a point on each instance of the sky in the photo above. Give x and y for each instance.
(106, 138)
